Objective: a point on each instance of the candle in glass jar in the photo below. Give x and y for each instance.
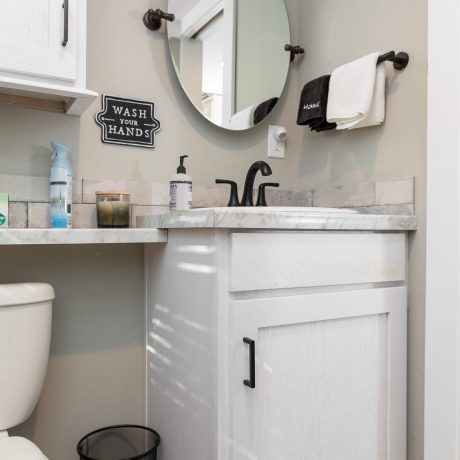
(113, 209)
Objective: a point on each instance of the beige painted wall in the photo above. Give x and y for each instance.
(96, 370)
(334, 32)
(127, 60)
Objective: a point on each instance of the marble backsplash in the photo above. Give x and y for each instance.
(29, 207)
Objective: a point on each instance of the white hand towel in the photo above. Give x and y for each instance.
(376, 114)
(351, 91)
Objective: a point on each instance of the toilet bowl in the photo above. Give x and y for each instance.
(16, 448)
(25, 336)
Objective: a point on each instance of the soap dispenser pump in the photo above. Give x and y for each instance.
(180, 188)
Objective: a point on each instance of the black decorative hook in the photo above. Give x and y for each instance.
(294, 50)
(153, 18)
(400, 61)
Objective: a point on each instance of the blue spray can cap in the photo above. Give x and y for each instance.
(59, 150)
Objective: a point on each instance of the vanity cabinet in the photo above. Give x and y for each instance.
(275, 345)
(43, 54)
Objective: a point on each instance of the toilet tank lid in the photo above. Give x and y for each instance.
(25, 293)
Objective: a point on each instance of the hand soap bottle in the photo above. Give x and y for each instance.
(60, 188)
(180, 189)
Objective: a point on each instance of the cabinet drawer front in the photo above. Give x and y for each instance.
(264, 261)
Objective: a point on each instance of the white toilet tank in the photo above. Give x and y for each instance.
(25, 335)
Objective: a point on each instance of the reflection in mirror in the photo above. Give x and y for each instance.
(229, 56)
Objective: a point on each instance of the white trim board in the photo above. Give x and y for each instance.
(199, 16)
(442, 350)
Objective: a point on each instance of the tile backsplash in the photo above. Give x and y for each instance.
(29, 207)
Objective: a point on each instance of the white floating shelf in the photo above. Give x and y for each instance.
(38, 95)
(9, 237)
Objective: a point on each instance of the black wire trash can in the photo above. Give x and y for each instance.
(120, 442)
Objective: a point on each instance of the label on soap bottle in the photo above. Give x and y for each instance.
(180, 194)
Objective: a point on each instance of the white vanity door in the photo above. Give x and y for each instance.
(31, 36)
(330, 377)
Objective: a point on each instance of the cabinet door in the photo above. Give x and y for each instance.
(330, 377)
(32, 34)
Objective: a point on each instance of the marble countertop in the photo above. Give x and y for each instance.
(154, 228)
(253, 218)
(82, 236)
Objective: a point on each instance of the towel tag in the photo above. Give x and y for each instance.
(312, 106)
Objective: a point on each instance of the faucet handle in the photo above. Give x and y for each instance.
(234, 201)
(261, 201)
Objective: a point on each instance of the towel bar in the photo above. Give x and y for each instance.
(400, 60)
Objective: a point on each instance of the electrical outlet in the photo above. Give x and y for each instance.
(276, 141)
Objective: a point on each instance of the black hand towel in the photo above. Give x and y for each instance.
(264, 109)
(313, 105)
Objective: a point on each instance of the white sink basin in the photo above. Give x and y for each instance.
(269, 209)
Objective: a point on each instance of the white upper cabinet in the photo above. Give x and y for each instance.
(43, 54)
(32, 38)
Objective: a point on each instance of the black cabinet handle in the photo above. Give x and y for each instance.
(65, 5)
(233, 201)
(251, 383)
(261, 201)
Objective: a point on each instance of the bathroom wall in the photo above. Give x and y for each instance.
(96, 370)
(334, 32)
(127, 60)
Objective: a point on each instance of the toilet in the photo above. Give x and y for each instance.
(25, 335)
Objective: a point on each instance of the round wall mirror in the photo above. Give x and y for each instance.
(230, 57)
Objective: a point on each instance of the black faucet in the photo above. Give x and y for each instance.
(265, 169)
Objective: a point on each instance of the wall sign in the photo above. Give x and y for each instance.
(128, 121)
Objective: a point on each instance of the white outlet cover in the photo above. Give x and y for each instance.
(276, 149)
